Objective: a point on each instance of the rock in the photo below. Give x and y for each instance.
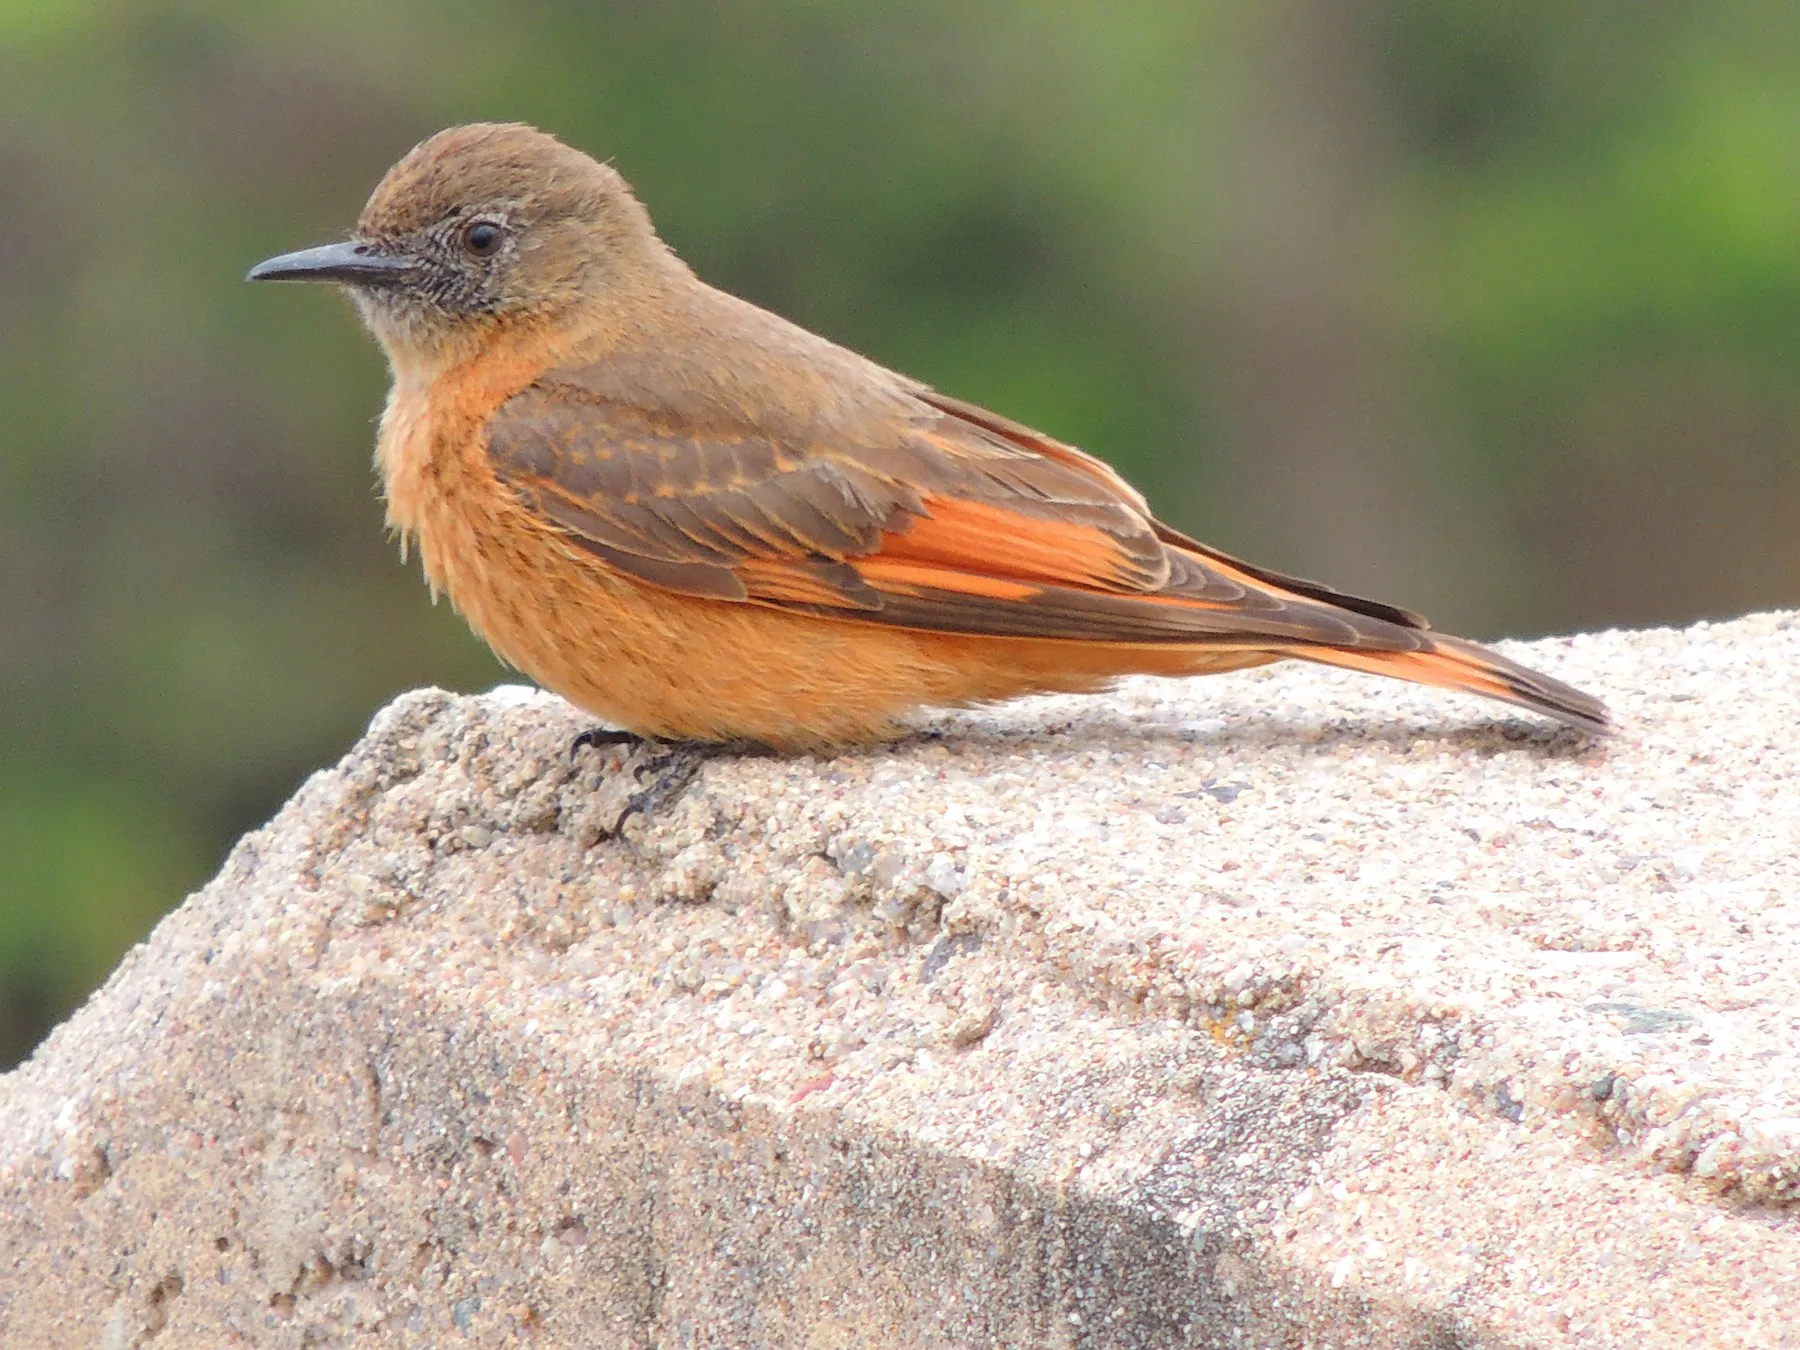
(1030, 1033)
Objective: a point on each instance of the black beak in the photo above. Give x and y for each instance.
(349, 262)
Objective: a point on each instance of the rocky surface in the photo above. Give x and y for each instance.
(1283, 1008)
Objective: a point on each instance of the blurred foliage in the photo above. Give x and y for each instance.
(1490, 310)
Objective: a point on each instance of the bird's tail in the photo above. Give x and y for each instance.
(1336, 629)
(1453, 663)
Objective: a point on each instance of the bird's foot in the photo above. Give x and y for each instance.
(600, 738)
(671, 771)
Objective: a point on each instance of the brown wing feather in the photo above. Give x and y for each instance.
(951, 520)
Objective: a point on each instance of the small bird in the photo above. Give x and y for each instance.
(700, 522)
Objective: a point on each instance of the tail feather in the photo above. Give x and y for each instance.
(1370, 636)
(1453, 663)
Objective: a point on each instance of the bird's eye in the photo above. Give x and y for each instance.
(482, 238)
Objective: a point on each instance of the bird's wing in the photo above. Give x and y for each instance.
(950, 519)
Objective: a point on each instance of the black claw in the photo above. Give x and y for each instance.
(674, 769)
(600, 738)
(655, 764)
(634, 806)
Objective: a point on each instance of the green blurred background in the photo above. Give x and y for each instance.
(1488, 309)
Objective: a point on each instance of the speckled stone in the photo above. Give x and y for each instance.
(1287, 1008)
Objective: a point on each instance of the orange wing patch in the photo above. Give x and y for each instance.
(898, 576)
(969, 536)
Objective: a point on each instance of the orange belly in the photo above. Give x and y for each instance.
(675, 666)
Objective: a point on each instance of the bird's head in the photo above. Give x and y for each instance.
(484, 228)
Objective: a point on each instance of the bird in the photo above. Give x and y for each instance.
(704, 524)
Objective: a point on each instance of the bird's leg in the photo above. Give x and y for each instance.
(677, 766)
(599, 738)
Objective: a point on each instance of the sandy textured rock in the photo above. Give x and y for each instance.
(1279, 1009)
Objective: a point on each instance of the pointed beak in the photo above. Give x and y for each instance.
(350, 263)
